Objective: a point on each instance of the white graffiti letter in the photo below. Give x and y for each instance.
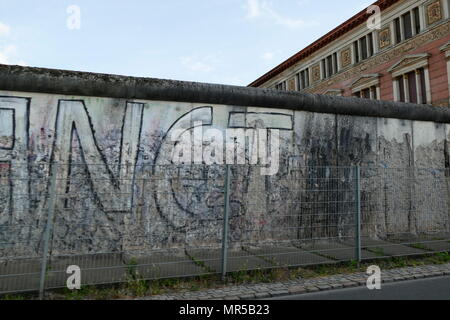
(74, 120)
(274, 148)
(14, 123)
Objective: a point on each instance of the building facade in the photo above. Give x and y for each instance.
(406, 59)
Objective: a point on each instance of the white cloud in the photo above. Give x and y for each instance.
(264, 9)
(8, 52)
(303, 3)
(253, 9)
(232, 80)
(196, 64)
(268, 56)
(8, 55)
(4, 30)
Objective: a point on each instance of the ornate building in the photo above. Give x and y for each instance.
(407, 59)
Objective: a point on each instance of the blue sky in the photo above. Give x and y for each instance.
(217, 41)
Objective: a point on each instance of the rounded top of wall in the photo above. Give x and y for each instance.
(53, 81)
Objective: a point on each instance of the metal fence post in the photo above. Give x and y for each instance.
(48, 228)
(357, 172)
(226, 216)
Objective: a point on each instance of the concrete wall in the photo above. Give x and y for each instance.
(120, 126)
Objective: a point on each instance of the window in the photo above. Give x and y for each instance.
(407, 26)
(371, 49)
(307, 78)
(324, 69)
(367, 93)
(363, 44)
(446, 51)
(423, 86)
(303, 79)
(411, 82)
(356, 50)
(281, 86)
(416, 15)
(363, 48)
(367, 86)
(448, 8)
(412, 87)
(330, 65)
(335, 63)
(374, 92)
(401, 86)
(398, 32)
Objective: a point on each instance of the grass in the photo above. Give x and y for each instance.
(136, 287)
(419, 246)
(378, 251)
(9, 297)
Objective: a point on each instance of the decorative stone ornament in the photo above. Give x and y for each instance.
(384, 37)
(316, 73)
(346, 57)
(291, 84)
(434, 12)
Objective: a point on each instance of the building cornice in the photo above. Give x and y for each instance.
(383, 57)
(336, 33)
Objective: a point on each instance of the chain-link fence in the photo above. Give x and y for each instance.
(120, 223)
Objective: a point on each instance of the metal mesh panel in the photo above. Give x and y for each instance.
(189, 220)
(304, 218)
(405, 211)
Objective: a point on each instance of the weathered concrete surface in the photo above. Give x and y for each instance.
(110, 136)
(337, 251)
(19, 275)
(238, 260)
(386, 249)
(437, 246)
(287, 256)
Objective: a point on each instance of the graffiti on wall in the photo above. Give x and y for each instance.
(113, 155)
(108, 162)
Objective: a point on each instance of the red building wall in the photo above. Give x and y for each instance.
(437, 73)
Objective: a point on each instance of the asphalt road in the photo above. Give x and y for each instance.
(423, 289)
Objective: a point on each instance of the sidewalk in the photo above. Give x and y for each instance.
(300, 286)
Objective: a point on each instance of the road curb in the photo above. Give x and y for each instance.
(305, 286)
